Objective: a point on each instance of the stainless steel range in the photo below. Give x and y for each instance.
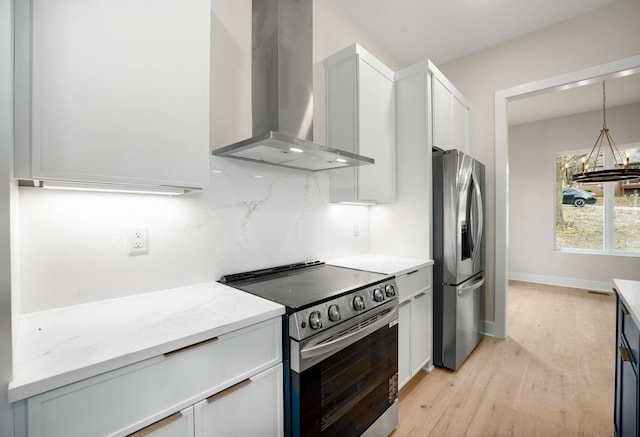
(340, 346)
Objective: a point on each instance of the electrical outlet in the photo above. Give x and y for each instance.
(137, 240)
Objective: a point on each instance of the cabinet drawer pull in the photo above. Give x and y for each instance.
(156, 425)
(230, 390)
(624, 308)
(412, 272)
(406, 302)
(192, 346)
(422, 293)
(624, 352)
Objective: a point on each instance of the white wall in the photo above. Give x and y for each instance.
(73, 245)
(601, 36)
(532, 148)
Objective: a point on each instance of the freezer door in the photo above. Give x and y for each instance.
(463, 217)
(462, 309)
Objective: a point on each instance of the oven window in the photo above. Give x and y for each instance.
(344, 394)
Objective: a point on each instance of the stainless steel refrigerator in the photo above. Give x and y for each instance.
(459, 255)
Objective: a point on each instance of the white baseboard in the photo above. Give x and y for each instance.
(602, 287)
(489, 328)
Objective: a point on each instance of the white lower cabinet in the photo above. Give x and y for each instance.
(421, 330)
(233, 374)
(415, 333)
(251, 408)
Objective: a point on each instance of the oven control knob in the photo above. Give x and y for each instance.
(315, 320)
(389, 290)
(334, 313)
(378, 295)
(358, 303)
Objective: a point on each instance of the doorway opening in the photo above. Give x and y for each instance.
(620, 68)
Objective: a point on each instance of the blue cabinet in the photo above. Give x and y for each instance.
(626, 391)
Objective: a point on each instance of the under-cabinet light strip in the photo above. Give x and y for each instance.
(360, 202)
(79, 186)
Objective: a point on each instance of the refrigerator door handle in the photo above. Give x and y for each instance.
(477, 244)
(472, 286)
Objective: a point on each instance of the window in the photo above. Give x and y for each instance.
(597, 218)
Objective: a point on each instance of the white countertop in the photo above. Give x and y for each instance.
(65, 345)
(388, 265)
(629, 292)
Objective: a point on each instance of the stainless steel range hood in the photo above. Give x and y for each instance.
(282, 93)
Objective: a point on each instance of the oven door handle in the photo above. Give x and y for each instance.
(341, 342)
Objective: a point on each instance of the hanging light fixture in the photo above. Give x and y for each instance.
(620, 170)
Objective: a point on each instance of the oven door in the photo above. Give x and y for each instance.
(344, 379)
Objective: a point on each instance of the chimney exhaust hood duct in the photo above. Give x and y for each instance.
(282, 94)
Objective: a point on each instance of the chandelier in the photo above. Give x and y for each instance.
(620, 170)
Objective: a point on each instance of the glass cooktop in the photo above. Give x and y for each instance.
(300, 285)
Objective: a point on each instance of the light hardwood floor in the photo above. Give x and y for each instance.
(552, 376)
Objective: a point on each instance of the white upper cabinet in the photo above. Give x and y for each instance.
(442, 115)
(360, 104)
(450, 113)
(113, 91)
(460, 123)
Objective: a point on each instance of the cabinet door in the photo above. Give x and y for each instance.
(120, 91)
(342, 127)
(177, 425)
(629, 401)
(376, 130)
(421, 328)
(360, 105)
(404, 343)
(450, 118)
(617, 412)
(253, 407)
(442, 113)
(460, 125)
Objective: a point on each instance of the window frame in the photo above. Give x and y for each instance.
(608, 246)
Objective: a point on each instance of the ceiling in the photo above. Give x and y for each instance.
(444, 30)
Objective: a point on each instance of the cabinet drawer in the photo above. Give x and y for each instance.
(630, 332)
(413, 282)
(226, 414)
(127, 399)
(177, 425)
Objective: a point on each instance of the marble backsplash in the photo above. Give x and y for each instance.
(73, 245)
